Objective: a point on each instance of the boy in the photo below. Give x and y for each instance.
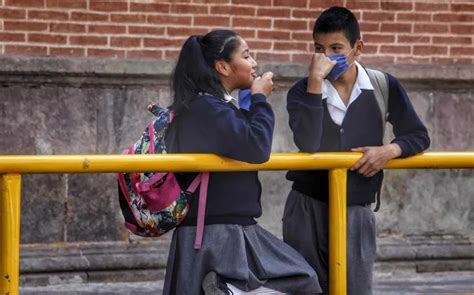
(335, 109)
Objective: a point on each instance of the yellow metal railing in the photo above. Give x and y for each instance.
(11, 168)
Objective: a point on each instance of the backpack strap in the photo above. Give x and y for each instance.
(202, 179)
(380, 82)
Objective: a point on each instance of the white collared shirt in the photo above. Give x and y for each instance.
(231, 99)
(336, 107)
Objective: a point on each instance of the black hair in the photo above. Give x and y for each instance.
(195, 72)
(338, 19)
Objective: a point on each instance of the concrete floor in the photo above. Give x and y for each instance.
(407, 283)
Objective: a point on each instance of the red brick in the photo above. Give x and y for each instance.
(251, 22)
(301, 58)
(274, 35)
(107, 53)
(25, 3)
(378, 16)
(396, 27)
(324, 4)
(431, 28)
(171, 54)
(452, 40)
(378, 59)
(413, 39)
(301, 25)
(46, 38)
(67, 28)
(414, 16)
(453, 17)
(259, 45)
(306, 13)
(162, 42)
(302, 36)
(213, 1)
(425, 6)
(150, 7)
(25, 50)
(125, 42)
(67, 51)
(246, 33)
(395, 49)
(291, 3)
(378, 38)
(412, 60)
(462, 29)
(430, 50)
(68, 4)
(6, 13)
(233, 10)
(107, 29)
(369, 27)
(464, 7)
(211, 21)
(171, 31)
(274, 12)
(47, 15)
(451, 60)
(295, 46)
(145, 54)
(253, 2)
(363, 5)
(146, 30)
(392, 5)
(12, 37)
(108, 6)
(88, 17)
(170, 19)
(87, 40)
(462, 51)
(189, 9)
(265, 56)
(369, 49)
(24, 26)
(128, 18)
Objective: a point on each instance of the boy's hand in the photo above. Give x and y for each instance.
(318, 70)
(263, 84)
(375, 158)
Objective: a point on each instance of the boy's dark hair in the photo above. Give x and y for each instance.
(195, 72)
(338, 19)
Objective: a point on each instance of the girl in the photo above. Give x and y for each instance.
(235, 250)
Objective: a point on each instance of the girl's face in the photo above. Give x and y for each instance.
(242, 67)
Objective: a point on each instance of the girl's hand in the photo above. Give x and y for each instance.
(263, 84)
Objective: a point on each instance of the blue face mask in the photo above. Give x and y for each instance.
(340, 67)
(244, 99)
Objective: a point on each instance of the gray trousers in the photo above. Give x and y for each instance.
(305, 228)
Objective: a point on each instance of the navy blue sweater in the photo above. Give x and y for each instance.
(213, 126)
(315, 131)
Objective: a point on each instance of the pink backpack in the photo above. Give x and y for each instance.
(153, 203)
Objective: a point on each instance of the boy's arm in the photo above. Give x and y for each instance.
(411, 136)
(304, 105)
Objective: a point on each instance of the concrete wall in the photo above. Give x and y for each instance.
(87, 106)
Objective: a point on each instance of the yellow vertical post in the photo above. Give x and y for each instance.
(10, 233)
(337, 232)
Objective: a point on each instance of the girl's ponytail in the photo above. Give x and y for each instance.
(194, 72)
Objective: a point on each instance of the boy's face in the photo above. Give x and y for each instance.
(336, 43)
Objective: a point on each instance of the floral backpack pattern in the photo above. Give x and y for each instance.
(153, 203)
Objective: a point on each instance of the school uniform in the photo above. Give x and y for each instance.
(322, 123)
(233, 246)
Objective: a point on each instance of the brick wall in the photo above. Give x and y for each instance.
(421, 31)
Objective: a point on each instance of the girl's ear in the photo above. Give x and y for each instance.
(223, 68)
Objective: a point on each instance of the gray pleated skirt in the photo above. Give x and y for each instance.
(248, 257)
